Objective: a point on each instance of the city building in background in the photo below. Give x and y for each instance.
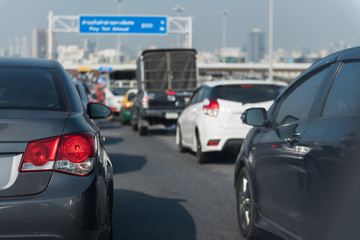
(248, 61)
(338, 45)
(230, 55)
(24, 51)
(39, 43)
(18, 47)
(71, 54)
(11, 47)
(256, 45)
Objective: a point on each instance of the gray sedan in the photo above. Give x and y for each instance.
(55, 176)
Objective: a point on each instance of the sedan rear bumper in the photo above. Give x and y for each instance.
(77, 211)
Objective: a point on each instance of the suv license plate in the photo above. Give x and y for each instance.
(170, 115)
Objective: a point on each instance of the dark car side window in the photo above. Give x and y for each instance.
(344, 96)
(296, 105)
(199, 95)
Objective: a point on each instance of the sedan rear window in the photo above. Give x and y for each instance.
(248, 93)
(119, 91)
(30, 88)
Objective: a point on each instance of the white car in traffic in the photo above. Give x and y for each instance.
(211, 121)
(114, 96)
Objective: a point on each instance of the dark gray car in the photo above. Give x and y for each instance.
(55, 176)
(297, 174)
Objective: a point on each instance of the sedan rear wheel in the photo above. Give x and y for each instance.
(244, 205)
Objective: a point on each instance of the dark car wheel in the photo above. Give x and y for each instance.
(142, 130)
(134, 125)
(180, 145)
(201, 157)
(245, 206)
(121, 118)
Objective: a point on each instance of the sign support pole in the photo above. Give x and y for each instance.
(50, 35)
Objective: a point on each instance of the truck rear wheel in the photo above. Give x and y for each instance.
(142, 130)
(133, 121)
(134, 125)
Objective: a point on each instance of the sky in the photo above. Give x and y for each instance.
(298, 24)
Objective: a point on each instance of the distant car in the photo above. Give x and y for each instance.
(210, 123)
(114, 97)
(126, 105)
(56, 179)
(99, 90)
(80, 87)
(297, 174)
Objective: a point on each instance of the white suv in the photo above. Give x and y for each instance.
(211, 122)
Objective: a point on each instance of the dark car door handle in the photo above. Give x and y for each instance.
(349, 139)
(294, 139)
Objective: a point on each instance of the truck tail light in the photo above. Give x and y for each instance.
(71, 153)
(145, 101)
(212, 109)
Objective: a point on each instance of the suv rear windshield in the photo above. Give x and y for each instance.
(248, 93)
(30, 88)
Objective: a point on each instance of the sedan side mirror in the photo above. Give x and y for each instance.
(98, 110)
(255, 117)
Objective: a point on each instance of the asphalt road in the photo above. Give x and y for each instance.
(161, 193)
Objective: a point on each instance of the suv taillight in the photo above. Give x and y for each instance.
(71, 153)
(212, 109)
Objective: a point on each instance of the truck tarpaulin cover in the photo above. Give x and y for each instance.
(170, 70)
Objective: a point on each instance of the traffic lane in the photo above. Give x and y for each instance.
(162, 194)
(144, 216)
(222, 163)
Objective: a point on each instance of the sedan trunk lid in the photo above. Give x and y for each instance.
(17, 129)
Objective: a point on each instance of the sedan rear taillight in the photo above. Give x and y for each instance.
(71, 153)
(40, 155)
(212, 109)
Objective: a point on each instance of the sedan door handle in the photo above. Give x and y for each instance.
(349, 139)
(294, 139)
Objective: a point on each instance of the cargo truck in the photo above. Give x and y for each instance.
(166, 80)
